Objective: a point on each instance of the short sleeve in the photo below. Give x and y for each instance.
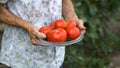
(3, 1)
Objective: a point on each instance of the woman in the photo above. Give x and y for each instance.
(23, 18)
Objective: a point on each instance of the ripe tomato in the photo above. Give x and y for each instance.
(60, 23)
(71, 23)
(52, 25)
(73, 33)
(45, 29)
(57, 35)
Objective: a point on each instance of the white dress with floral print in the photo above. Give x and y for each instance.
(16, 50)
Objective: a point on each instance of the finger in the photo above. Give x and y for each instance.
(38, 34)
(38, 42)
(32, 36)
(83, 32)
(35, 42)
(41, 35)
(81, 27)
(80, 24)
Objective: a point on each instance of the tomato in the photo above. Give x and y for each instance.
(57, 35)
(73, 33)
(45, 29)
(60, 23)
(52, 25)
(71, 23)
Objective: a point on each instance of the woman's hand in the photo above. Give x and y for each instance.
(80, 25)
(69, 14)
(34, 34)
(9, 18)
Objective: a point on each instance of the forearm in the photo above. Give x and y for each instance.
(11, 19)
(68, 10)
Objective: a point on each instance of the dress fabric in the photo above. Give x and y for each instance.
(16, 50)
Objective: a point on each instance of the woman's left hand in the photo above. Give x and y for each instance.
(80, 25)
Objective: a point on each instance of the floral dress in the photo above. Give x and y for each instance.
(16, 50)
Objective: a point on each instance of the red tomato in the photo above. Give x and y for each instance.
(57, 35)
(52, 25)
(60, 23)
(71, 23)
(73, 33)
(45, 29)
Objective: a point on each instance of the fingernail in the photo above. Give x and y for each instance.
(43, 35)
(84, 28)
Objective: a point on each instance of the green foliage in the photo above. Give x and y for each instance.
(99, 42)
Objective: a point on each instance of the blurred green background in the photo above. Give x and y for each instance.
(101, 40)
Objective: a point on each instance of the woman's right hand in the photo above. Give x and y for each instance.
(34, 34)
(9, 18)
